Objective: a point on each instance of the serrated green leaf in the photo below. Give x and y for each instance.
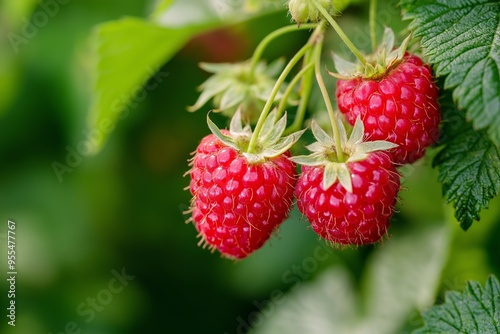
(475, 311)
(469, 166)
(128, 52)
(462, 40)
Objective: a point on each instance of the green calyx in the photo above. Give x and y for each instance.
(377, 65)
(323, 152)
(238, 86)
(270, 142)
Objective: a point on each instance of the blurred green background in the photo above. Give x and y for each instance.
(121, 211)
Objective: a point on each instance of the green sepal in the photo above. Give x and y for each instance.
(270, 142)
(207, 93)
(359, 149)
(313, 159)
(280, 147)
(239, 85)
(227, 140)
(337, 171)
(378, 63)
(271, 130)
(321, 136)
(324, 152)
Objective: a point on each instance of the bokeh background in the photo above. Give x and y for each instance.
(121, 210)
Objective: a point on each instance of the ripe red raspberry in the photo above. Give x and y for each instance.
(236, 204)
(400, 106)
(359, 217)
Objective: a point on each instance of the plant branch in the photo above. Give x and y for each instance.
(328, 103)
(340, 32)
(257, 55)
(305, 92)
(373, 23)
(269, 103)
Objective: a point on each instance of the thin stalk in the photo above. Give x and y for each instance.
(257, 55)
(328, 103)
(291, 86)
(340, 32)
(269, 103)
(373, 23)
(305, 91)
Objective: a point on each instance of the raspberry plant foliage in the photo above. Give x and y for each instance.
(474, 311)
(462, 41)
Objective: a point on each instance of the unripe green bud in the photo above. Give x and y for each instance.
(304, 11)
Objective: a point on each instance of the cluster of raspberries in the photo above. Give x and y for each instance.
(237, 204)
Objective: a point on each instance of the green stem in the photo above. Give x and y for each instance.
(328, 103)
(257, 55)
(291, 86)
(341, 33)
(269, 103)
(373, 23)
(305, 92)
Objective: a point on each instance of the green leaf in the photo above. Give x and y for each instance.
(128, 52)
(476, 310)
(469, 166)
(462, 40)
(404, 275)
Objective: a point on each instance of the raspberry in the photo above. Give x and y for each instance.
(359, 217)
(236, 204)
(400, 106)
